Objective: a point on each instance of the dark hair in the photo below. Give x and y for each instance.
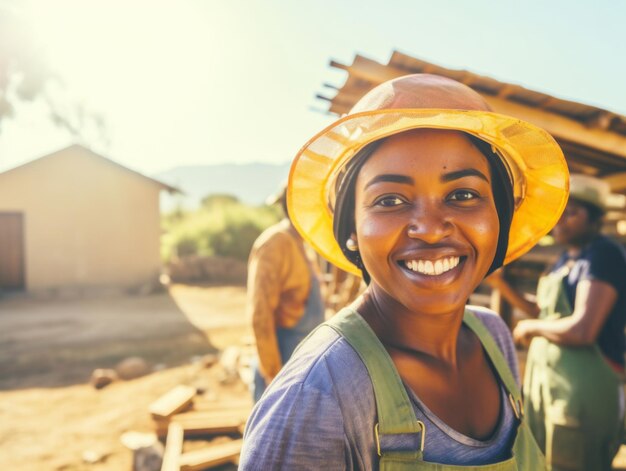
(344, 223)
(343, 219)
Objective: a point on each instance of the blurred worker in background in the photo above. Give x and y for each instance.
(575, 367)
(284, 296)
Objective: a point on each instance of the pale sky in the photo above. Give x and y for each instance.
(213, 81)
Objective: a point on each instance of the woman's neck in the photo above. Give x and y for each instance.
(433, 335)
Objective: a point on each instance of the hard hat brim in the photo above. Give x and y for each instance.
(534, 160)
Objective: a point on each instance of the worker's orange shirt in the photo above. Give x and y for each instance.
(279, 281)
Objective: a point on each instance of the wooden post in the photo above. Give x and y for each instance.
(500, 305)
(173, 448)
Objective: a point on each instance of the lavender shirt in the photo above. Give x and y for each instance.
(320, 412)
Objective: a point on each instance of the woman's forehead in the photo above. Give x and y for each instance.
(427, 151)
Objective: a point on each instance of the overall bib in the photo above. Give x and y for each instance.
(288, 339)
(396, 414)
(572, 395)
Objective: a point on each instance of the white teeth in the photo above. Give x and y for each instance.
(429, 267)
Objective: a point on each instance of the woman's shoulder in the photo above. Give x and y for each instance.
(490, 319)
(500, 333)
(325, 361)
(322, 391)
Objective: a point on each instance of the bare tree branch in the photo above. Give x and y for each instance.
(26, 77)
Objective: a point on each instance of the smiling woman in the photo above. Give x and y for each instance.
(422, 191)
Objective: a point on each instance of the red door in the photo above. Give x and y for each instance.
(11, 251)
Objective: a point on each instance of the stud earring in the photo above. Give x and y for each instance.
(351, 245)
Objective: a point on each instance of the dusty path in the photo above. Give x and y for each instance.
(49, 416)
(59, 342)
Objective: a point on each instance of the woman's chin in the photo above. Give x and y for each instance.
(438, 305)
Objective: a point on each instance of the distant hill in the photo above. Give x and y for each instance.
(251, 183)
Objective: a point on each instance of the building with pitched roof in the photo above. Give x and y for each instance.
(74, 219)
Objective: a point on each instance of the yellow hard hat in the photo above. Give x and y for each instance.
(533, 159)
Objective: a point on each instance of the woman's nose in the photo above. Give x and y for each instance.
(429, 226)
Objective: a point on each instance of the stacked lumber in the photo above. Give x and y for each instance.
(180, 415)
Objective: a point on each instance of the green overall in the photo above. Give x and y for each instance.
(572, 400)
(396, 414)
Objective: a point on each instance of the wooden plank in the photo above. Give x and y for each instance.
(173, 448)
(372, 71)
(200, 404)
(198, 423)
(617, 182)
(174, 401)
(198, 415)
(214, 455)
(194, 426)
(562, 127)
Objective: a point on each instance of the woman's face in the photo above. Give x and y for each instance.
(426, 223)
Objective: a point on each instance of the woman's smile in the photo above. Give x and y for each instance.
(432, 267)
(433, 271)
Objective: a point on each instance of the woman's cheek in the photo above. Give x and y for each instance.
(374, 228)
(486, 230)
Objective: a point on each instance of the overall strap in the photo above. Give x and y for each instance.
(395, 412)
(497, 359)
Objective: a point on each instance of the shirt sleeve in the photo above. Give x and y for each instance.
(285, 430)
(264, 285)
(605, 263)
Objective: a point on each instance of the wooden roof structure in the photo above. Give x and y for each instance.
(593, 139)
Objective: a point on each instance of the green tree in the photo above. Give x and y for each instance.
(218, 199)
(221, 226)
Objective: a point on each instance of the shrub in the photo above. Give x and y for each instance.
(222, 226)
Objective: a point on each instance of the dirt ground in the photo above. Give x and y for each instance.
(50, 416)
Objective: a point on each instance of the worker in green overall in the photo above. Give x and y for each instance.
(422, 191)
(574, 373)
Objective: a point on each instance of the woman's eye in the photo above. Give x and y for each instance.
(389, 201)
(463, 195)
